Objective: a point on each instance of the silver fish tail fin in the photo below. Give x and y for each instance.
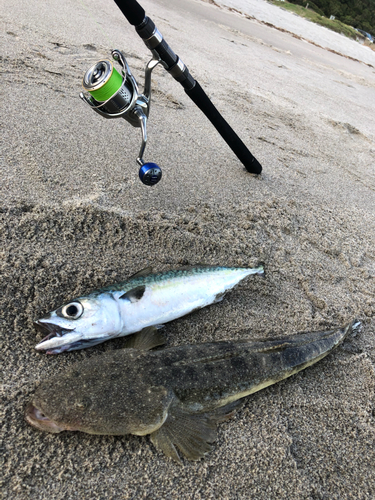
(261, 269)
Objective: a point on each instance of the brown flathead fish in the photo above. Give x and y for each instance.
(178, 395)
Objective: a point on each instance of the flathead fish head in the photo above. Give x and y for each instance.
(106, 394)
(80, 323)
(55, 407)
(39, 420)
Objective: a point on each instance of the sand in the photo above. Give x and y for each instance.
(74, 217)
(283, 19)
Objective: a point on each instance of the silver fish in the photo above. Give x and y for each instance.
(178, 395)
(144, 300)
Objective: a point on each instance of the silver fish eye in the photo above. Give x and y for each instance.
(74, 310)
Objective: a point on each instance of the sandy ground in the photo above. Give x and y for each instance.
(285, 20)
(74, 216)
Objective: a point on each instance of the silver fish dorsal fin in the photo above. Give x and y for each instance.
(143, 272)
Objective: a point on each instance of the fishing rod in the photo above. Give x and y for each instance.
(113, 94)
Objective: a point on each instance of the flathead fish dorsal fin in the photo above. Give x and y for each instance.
(143, 272)
(146, 339)
(192, 434)
(134, 294)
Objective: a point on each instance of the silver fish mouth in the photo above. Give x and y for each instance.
(74, 346)
(55, 331)
(51, 330)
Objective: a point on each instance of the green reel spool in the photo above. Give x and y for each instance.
(102, 81)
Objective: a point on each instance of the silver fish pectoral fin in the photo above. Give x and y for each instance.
(134, 294)
(193, 434)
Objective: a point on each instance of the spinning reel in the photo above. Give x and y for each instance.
(116, 95)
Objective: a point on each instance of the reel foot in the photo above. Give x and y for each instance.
(150, 173)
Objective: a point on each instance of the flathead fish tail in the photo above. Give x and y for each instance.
(310, 348)
(280, 358)
(352, 329)
(327, 340)
(356, 327)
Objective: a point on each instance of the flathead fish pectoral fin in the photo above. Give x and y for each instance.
(146, 339)
(163, 442)
(192, 434)
(143, 272)
(134, 294)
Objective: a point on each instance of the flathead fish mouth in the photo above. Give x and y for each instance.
(37, 419)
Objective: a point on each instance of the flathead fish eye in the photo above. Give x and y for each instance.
(74, 310)
(83, 403)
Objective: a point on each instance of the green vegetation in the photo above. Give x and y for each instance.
(357, 13)
(315, 17)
